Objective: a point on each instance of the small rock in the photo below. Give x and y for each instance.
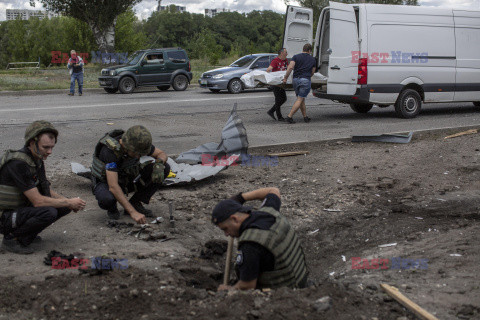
(322, 304)
(255, 313)
(142, 256)
(134, 293)
(402, 318)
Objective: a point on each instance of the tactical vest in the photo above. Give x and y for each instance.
(290, 268)
(12, 197)
(130, 167)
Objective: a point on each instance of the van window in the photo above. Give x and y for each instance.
(177, 56)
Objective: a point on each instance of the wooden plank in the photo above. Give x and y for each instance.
(228, 262)
(463, 133)
(288, 154)
(407, 303)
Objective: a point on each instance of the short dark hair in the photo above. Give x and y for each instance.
(281, 50)
(307, 47)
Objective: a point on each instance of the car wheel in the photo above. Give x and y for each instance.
(180, 82)
(215, 90)
(111, 90)
(408, 104)
(476, 103)
(163, 88)
(361, 107)
(235, 86)
(126, 85)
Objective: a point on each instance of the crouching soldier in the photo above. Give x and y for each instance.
(27, 204)
(269, 252)
(117, 170)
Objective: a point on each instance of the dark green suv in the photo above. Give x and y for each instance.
(159, 68)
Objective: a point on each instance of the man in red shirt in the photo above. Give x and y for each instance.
(280, 63)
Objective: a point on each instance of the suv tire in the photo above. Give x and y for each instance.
(408, 104)
(111, 90)
(126, 85)
(361, 107)
(235, 86)
(163, 88)
(180, 82)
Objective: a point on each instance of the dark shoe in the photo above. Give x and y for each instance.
(289, 120)
(140, 208)
(37, 239)
(12, 245)
(281, 119)
(79, 94)
(113, 214)
(270, 113)
(306, 119)
(71, 94)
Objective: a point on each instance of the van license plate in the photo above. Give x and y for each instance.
(204, 81)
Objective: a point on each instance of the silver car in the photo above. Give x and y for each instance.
(228, 78)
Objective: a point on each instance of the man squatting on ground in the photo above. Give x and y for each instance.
(27, 204)
(269, 252)
(303, 66)
(75, 67)
(280, 63)
(116, 171)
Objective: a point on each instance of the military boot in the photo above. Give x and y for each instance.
(113, 213)
(140, 208)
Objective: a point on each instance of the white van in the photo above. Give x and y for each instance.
(386, 54)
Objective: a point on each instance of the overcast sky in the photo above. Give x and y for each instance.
(145, 8)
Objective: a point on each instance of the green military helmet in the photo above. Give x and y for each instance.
(38, 127)
(138, 140)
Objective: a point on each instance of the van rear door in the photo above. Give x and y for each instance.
(343, 69)
(298, 29)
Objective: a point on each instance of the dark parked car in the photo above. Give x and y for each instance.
(159, 68)
(228, 78)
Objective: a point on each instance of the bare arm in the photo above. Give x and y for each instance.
(159, 154)
(289, 70)
(56, 195)
(269, 69)
(260, 194)
(240, 285)
(38, 200)
(116, 190)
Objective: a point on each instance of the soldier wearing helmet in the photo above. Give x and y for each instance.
(27, 203)
(116, 171)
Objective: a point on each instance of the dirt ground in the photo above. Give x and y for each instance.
(344, 199)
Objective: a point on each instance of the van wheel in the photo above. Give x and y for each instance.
(126, 85)
(163, 88)
(476, 103)
(361, 107)
(180, 82)
(111, 90)
(408, 104)
(235, 86)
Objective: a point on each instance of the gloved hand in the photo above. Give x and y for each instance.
(238, 197)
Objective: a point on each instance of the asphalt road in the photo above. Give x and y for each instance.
(183, 120)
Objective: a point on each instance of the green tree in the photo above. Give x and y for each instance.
(101, 16)
(129, 33)
(205, 46)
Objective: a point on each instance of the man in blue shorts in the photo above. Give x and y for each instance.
(303, 66)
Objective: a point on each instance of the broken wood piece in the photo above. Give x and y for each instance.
(463, 133)
(407, 303)
(228, 261)
(288, 154)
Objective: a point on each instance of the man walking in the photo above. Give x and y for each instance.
(116, 171)
(303, 66)
(269, 252)
(27, 203)
(280, 63)
(75, 65)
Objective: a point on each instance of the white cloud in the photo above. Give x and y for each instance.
(145, 8)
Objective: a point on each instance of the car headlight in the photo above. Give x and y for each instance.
(113, 72)
(218, 76)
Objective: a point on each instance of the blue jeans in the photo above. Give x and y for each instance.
(79, 77)
(302, 87)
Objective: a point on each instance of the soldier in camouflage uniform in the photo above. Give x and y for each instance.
(27, 203)
(116, 171)
(269, 252)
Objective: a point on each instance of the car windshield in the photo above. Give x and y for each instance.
(135, 57)
(243, 61)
